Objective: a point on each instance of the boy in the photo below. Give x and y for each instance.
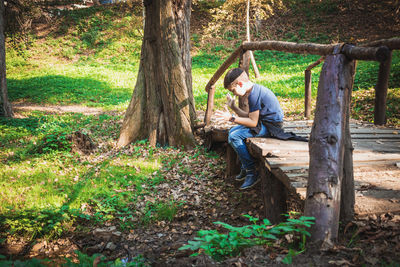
(264, 119)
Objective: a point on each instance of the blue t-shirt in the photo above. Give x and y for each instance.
(264, 100)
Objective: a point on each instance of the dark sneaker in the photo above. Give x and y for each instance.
(251, 180)
(241, 175)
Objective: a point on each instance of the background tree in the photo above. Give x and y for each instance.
(6, 109)
(253, 61)
(228, 20)
(162, 106)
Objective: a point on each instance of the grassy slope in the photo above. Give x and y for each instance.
(91, 58)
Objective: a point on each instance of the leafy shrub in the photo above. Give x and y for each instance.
(220, 246)
(54, 141)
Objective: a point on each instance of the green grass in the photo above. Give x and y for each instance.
(92, 60)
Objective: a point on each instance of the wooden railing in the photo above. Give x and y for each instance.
(330, 188)
(380, 51)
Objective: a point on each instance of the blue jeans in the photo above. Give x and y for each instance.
(237, 139)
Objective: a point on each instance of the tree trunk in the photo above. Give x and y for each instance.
(162, 106)
(327, 146)
(6, 109)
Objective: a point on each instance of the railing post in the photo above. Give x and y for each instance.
(210, 104)
(244, 64)
(381, 89)
(307, 93)
(327, 148)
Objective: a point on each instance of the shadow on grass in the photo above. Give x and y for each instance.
(57, 89)
(42, 222)
(98, 16)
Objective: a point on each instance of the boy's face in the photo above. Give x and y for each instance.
(237, 89)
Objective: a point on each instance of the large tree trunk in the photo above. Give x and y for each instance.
(5, 109)
(327, 148)
(162, 105)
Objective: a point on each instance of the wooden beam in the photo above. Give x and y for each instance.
(305, 48)
(227, 63)
(210, 87)
(392, 43)
(380, 53)
(351, 51)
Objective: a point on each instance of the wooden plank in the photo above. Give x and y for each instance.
(269, 146)
(302, 164)
(364, 136)
(395, 132)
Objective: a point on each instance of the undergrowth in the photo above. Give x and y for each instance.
(220, 246)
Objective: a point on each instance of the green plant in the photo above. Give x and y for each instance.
(220, 246)
(54, 141)
(160, 211)
(35, 224)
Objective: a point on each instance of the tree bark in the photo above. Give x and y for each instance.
(6, 109)
(162, 105)
(327, 146)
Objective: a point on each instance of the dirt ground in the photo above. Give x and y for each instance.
(368, 240)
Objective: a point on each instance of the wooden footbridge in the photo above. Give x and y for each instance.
(376, 162)
(342, 159)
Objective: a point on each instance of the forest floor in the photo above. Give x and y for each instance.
(368, 240)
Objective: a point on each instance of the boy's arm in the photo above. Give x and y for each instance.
(250, 121)
(231, 103)
(240, 112)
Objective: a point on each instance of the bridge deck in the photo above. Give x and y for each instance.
(376, 160)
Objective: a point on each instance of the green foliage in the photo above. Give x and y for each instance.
(19, 263)
(35, 224)
(54, 141)
(160, 211)
(220, 246)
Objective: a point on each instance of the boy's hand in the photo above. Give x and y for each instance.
(224, 115)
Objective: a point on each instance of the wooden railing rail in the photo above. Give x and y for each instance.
(379, 53)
